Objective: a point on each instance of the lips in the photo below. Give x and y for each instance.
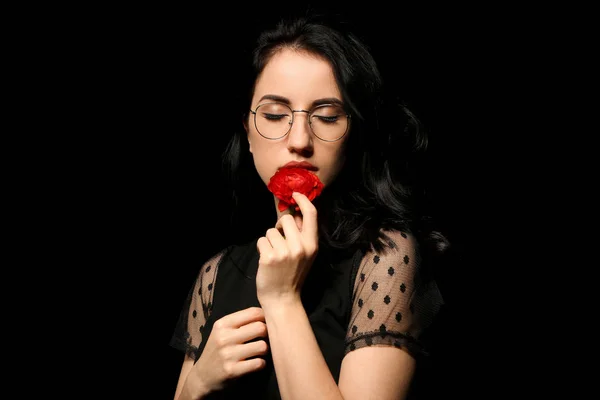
(300, 164)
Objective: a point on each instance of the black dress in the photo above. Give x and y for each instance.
(352, 300)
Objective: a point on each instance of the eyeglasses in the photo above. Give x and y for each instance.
(328, 122)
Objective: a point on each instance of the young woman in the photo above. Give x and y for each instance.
(330, 300)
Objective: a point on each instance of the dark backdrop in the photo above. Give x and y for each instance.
(159, 205)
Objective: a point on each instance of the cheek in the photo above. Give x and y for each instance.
(262, 162)
(337, 162)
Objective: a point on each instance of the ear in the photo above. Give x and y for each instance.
(245, 122)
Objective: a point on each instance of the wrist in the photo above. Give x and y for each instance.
(281, 306)
(279, 302)
(194, 389)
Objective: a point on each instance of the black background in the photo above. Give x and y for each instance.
(153, 206)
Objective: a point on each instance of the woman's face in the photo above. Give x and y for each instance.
(301, 81)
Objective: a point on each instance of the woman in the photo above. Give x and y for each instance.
(329, 301)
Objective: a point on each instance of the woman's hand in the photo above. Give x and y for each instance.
(230, 349)
(285, 259)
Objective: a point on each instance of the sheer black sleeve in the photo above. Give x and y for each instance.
(392, 304)
(187, 336)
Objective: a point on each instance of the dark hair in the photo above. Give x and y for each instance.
(378, 186)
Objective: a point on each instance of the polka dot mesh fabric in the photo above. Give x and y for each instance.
(201, 304)
(391, 304)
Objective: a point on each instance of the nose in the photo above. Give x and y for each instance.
(300, 138)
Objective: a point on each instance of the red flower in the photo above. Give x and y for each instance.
(289, 180)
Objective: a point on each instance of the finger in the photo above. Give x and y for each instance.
(290, 229)
(296, 217)
(275, 238)
(252, 331)
(252, 349)
(263, 245)
(244, 367)
(241, 318)
(309, 214)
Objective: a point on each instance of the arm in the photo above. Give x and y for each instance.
(284, 262)
(231, 349)
(375, 365)
(192, 390)
(392, 306)
(302, 372)
(376, 373)
(189, 333)
(230, 352)
(368, 373)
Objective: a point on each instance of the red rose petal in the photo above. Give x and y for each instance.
(288, 180)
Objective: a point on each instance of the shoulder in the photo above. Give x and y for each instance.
(208, 269)
(396, 246)
(396, 259)
(400, 240)
(213, 262)
(391, 277)
(234, 250)
(236, 254)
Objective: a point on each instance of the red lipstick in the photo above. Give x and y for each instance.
(302, 164)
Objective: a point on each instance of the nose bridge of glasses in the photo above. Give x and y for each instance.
(307, 112)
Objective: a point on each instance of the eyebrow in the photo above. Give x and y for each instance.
(285, 100)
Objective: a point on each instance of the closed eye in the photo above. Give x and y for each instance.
(328, 120)
(274, 117)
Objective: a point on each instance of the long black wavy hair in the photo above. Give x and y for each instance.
(378, 188)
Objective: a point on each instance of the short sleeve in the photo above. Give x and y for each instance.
(392, 304)
(187, 336)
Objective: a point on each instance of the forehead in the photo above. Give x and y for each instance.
(299, 76)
